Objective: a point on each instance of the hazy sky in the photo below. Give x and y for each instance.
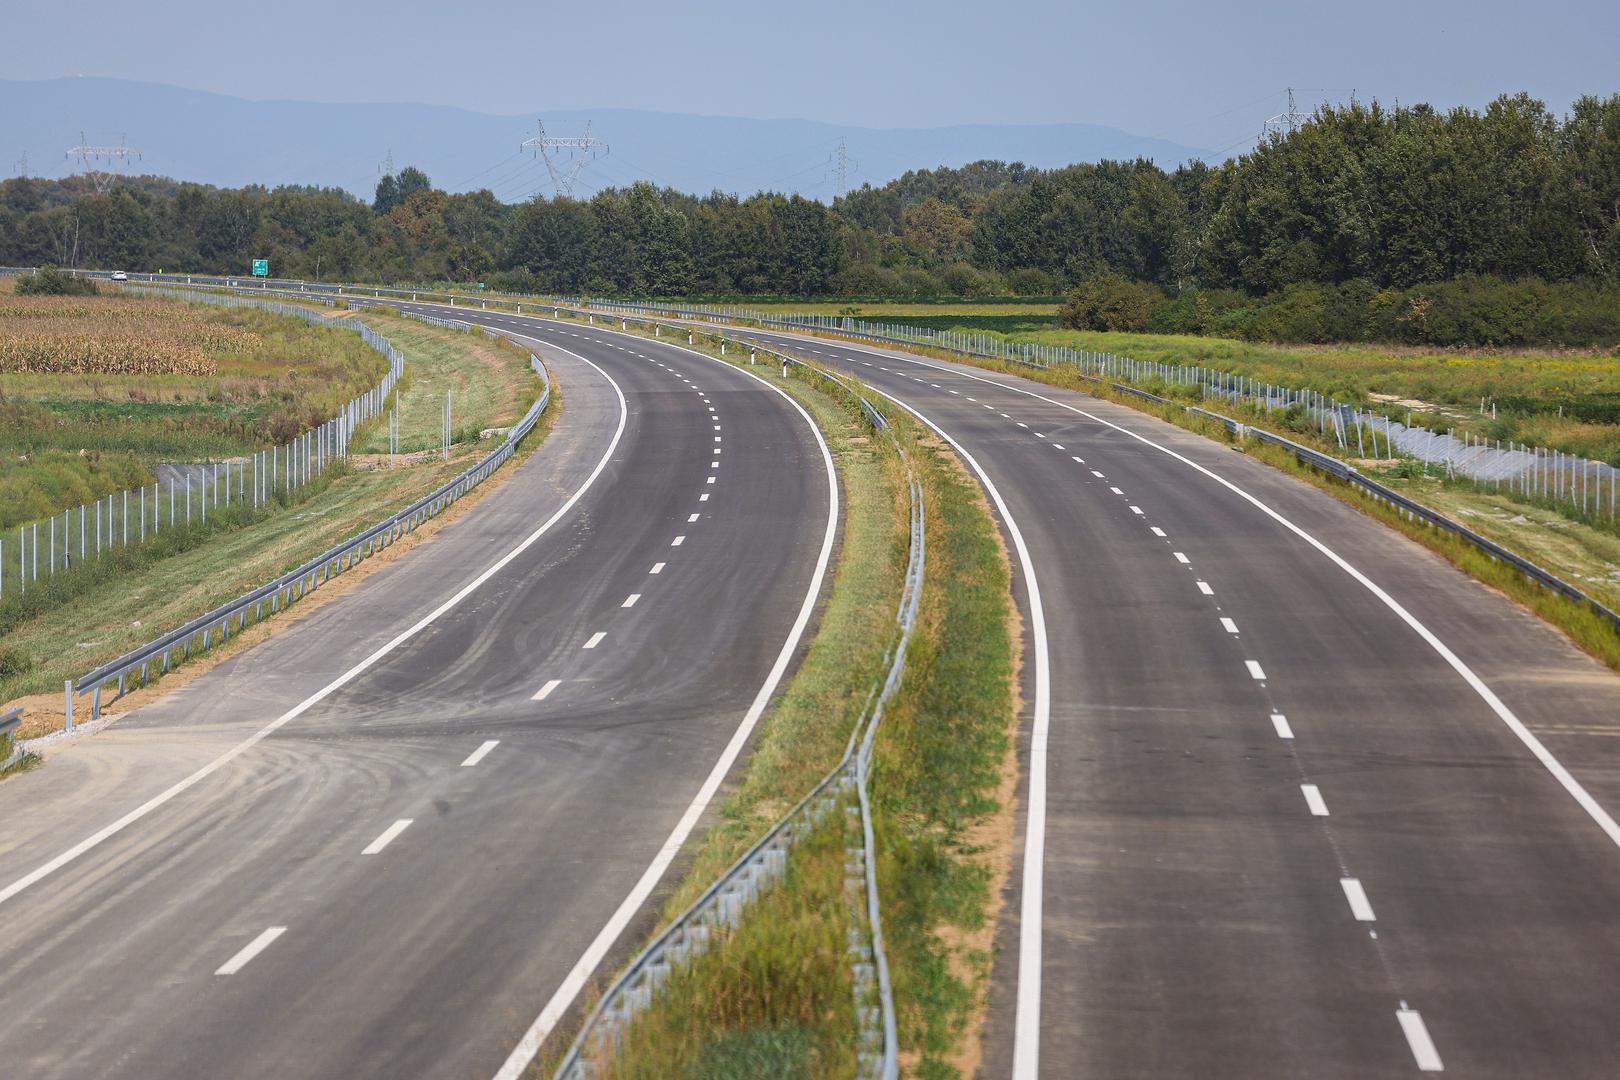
(1203, 74)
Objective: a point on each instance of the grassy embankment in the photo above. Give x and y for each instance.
(64, 627)
(776, 998)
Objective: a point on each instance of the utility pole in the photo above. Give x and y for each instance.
(581, 150)
(116, 158)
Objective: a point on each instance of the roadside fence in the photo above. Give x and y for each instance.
(136, 515)
(156, 657)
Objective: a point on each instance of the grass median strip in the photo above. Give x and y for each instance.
(776, 996)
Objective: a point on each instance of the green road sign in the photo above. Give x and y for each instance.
(261, 267)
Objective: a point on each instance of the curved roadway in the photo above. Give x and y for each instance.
(385, 839)
(1301, 799)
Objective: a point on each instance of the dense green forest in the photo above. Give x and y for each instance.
(1499, 226)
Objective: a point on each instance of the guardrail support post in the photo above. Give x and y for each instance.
(67, 704)
(95, 704)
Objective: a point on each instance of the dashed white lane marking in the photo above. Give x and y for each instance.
(703, 497)
(1039, 435)
(1081, 460)
(1056, 445)
(1098, 475)
(1417, 1037)
(717, 427)
(630, 601)
(489, 744)
(973, 399)
(717, 438)
(1004, 416)
(1203, 587)
(1313, 799)
(1280, 722)
(1022, 424)
(1360, 906)
(595, 640)
(678, 541)
(1136, 509)
(711, 479)
(1116, 491)
(936, 386)
(714, 464)
(545, 691)
(658, 568)
(387, 837)
(1228, 625)
(1256, 672)
(1156, 530)
(183, 785)
(250, 950)
(1180, 558)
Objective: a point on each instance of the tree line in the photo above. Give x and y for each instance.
(1360, 201)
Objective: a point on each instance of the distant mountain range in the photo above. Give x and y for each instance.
(230, 142)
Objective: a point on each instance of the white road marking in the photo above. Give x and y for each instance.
(1156, 530)
(1022, 424)
(1313, 799)
(1004, 416)
(1280, 722)
(1057, 446)
(630, 601)
(703, 497)
(250, 950)
(1116, 491)
(1203, 587)
(678, 541)
(545, 691)
(183, 785)
(717, 427)
(517, 1063)
(717, 437)
(1081, 460)
(489, 744)
(714, 464)
(387, 837)
(1228, 625)
(1360, 906)
(1256, 672)
(692, 517)
(1038, 435)
(1136, 509)
(1098, 475)
(1601, 817)
(595, 640)
(1417, 1037)
(658, 568)
(1180, 558)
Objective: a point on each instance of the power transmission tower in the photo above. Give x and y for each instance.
(842, 163)
(582, 150)
(22, 165)
(115, 157)
(386, 167)
(1285, 123)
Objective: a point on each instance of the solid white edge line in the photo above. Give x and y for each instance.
(387, 837)
(1582, 797)
(1417, 1037)
(1027, 1025)
(483, 750)
(180, 786)
(517, 1063)
(250, 950)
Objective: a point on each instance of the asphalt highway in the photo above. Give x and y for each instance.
(396, 838)
(1299, 799)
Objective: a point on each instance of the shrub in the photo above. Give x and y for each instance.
(50, 281)
(1108, 302)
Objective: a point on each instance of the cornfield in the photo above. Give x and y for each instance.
(42, 335)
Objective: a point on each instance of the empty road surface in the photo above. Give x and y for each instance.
(394, 838)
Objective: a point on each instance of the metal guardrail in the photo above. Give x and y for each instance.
(1414, 510)
(10, 750)
(721, 905)
(294, 584)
